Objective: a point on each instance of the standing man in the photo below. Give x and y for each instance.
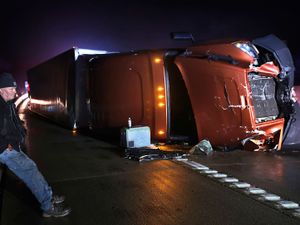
(12, 135)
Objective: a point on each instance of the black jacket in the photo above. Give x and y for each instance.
(11, 129)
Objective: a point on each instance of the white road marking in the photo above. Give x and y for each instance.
(277, 201)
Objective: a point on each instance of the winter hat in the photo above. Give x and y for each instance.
(7, 80)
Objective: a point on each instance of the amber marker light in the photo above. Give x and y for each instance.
(160, 96)
(161, 132)
(160, 88)
(157, 60)
(161, 104)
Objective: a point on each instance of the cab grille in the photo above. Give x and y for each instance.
(263, 95)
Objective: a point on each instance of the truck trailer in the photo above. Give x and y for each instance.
(58, 87)
(236, 94)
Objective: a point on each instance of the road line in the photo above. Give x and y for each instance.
(275, 201)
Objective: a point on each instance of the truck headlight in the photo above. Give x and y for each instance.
(248, 48)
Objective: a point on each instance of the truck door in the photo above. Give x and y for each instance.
(219, 95)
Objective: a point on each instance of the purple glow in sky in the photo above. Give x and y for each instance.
(32, 32)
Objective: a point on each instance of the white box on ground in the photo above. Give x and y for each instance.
(135, 137)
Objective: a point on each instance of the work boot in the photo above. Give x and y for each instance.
(56, 211)
(57, 199)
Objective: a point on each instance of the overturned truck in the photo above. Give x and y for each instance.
(236, 94)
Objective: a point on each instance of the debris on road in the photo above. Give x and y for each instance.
(150, 153)
(203, 147)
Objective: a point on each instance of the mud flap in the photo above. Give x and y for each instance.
(292, 134)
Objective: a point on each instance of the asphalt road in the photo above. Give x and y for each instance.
(104, 188)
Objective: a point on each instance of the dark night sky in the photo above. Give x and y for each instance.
(33, 32)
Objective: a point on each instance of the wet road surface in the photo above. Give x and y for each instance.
(278, 173)
(104, 188)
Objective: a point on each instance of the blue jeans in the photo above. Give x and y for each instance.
(21, 165)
